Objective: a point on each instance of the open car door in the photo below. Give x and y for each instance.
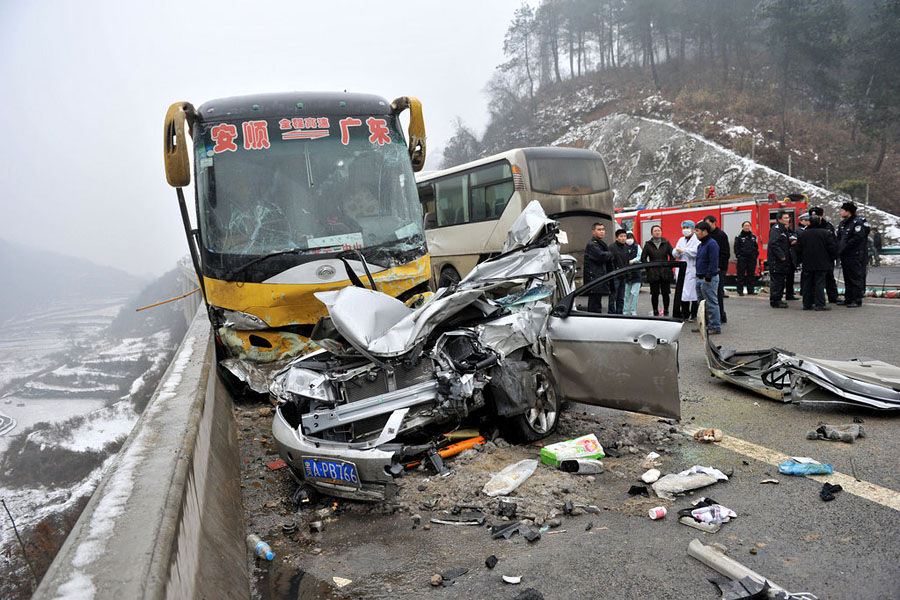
(617, 361)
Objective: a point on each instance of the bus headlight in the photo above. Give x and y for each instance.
(243, 321)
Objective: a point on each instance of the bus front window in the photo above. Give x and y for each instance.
(311, 196)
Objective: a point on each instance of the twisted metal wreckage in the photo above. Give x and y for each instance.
(508, 342)
(788, 377)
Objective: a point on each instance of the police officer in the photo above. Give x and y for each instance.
(779, 261)
(852, 234)
(817, 249)
(746, 250)
(596, 264)
(831, 290)
(803, 225)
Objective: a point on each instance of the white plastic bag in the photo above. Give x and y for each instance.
(511, 477)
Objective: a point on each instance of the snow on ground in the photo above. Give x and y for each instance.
(30, 411)
(99, 428)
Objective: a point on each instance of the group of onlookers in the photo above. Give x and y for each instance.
(706, 250)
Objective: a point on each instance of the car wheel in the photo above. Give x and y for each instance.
(541, 420)
(449, 277)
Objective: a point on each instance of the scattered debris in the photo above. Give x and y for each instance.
(289, 528)
(586, 446)
(753, 550)
(589, 526)
(568, 507)
(553, 522)
(717, 560)
(708, 435)
(639, 490)
(276, 464)
(704, 527)
(840, 433)
(507, 509)
(436, 579)
(707, 510)
(828, 490)
(511, 477)
(341, 581)
(474, 518)
(651, 476)
(448, 578)
(490, 562)
(694, 478)
(529, 594)
(529, 534)
(658, 512)
(651, 460)
(504, 531)
(581, 466)
(802, 466)
(316, 526)
(775, 481)
(512, 579)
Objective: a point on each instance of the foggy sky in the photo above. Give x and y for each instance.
(84, 86)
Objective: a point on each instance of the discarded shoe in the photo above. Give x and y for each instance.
(828, 490)
(842, 433)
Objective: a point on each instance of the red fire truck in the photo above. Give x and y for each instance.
(730, 213)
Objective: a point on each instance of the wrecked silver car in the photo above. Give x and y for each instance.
(508, 341)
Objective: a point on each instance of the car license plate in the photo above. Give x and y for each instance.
(338, 472)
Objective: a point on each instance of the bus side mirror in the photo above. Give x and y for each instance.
(430, 221)
(175, 149)
(416, 129)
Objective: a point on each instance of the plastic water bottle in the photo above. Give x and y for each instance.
(260, 548)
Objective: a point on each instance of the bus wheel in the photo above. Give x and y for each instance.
(539, 421)
(449, 277)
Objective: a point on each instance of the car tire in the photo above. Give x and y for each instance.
(538, 422)
(449, 277)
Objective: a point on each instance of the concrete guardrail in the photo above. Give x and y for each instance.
(165, 520)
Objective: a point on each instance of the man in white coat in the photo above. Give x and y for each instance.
(686, 250)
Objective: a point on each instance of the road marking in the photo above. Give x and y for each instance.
(863, 489)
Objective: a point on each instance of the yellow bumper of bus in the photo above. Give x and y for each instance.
(282, 305)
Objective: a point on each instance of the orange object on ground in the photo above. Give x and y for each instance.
(454, 449)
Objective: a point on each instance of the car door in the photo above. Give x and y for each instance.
(617, 361)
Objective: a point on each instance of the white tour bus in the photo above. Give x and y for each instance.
(469, 208)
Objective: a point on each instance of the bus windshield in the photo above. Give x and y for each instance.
(318, 193)
(565, 171)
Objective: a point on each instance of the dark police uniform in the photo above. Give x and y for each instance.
(817, 249)
(852, 234)
(831, 289)
(596, 264)
(746, 250)
(779, 262)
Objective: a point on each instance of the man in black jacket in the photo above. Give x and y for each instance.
(816, 249)
(746, 250)
(831, 289)
(852, 234)
(620, 257)
(779, 261)
(721, 239)
(596, 264)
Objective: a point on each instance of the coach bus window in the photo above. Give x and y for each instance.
(452, 199)
(491, 187)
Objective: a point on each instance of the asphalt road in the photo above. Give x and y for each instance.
(846, 548)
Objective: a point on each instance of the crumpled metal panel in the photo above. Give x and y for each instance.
(523, 328)
(527, 226)
(529, 263)
(385, 334)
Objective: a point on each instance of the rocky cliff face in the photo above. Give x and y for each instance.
(654, 163)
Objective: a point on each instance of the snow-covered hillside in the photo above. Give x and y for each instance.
(655, 163)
